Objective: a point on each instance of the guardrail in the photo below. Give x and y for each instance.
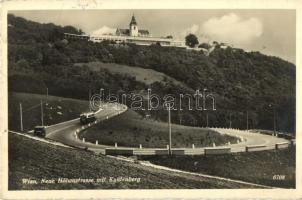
(195, 151)
(251, 148)
(119, 151)
(281, 145)
(221, 150)
(128, 151)
(144, 152)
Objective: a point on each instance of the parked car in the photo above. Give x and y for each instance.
(86, 118)
(40, 131)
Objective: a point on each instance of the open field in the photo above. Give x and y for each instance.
(36, 160)
(56, 109)
(130, 129)
(255, 167)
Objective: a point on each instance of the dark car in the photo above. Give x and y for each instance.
(86, 118)
(40, 131)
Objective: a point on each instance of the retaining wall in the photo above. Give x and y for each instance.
(255, 148)
(119, 151)
(218, 150)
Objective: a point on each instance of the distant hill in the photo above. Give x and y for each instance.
(241, 81)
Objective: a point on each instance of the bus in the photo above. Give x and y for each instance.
(86, 118)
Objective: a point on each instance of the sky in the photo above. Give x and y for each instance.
(272, 32)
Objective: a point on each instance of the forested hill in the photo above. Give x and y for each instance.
(242, 81)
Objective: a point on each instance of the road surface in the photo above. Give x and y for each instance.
(67, 133)
(250, 139)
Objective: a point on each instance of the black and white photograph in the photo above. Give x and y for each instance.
(131, 99)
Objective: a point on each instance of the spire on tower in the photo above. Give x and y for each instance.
(133, 20)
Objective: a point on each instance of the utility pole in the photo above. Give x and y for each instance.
(21, 118)
(46, 95)
(89, 100)
(204, 99)
(247, 120)
(101, 96)
(170, 130)
(42, 122)
(207, 120)
(180, 117)
(230, 120)
(274, 120)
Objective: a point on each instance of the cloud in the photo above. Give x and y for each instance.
(105, 30)
(228, 28)
(232, 29)
(193, 29)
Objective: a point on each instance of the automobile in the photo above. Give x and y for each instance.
(40, 131)
(86, 118)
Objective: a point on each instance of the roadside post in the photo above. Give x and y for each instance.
(42, 121)
(21, 118)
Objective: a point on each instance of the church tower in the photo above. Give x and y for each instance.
(133, 29)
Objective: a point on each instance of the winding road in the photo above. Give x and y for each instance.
(67, 133)
(251, 139)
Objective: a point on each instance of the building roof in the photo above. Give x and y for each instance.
(122, 31)
(133, 21)
(143, 32)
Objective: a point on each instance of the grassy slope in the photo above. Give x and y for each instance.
(256, 167)
(36, 160)
(130, 129)
(70, 109)
(147, 76)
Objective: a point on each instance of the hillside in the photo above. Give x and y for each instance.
(146, 76)
(55, 110)
(35, 160)
(241, 81)
(255, 167)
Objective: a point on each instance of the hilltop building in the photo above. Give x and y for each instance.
(131, 35)
(133, 30)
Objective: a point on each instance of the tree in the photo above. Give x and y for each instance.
(191, 40)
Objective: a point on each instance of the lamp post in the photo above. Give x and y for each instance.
(167, 105)
(170, 131)
(204, 99)
(274, 117)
